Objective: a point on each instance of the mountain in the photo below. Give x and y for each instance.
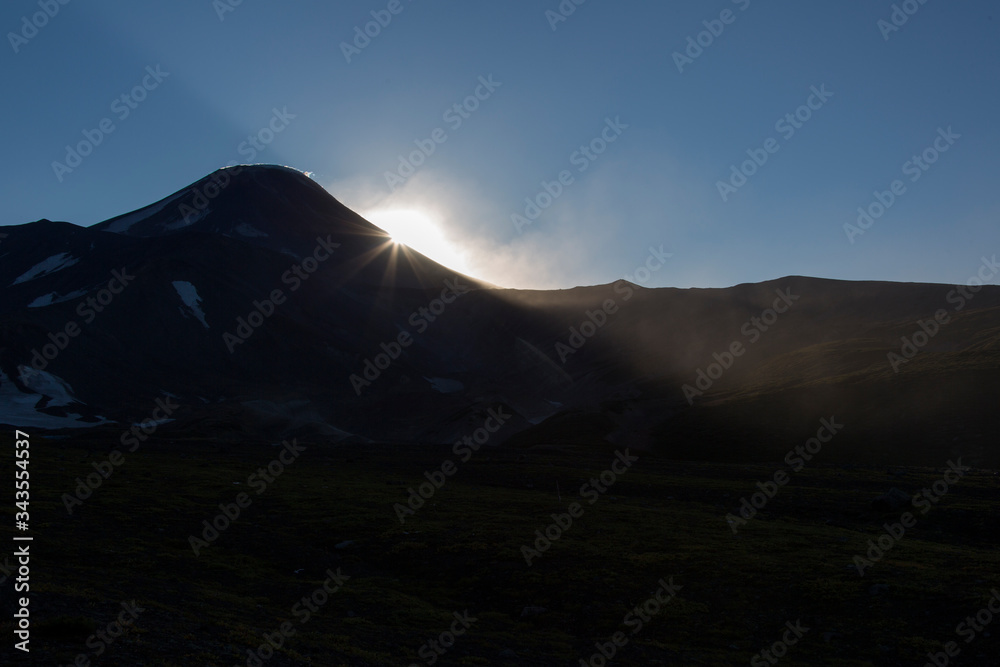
(253, 304)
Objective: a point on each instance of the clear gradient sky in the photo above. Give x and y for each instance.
(225, 68)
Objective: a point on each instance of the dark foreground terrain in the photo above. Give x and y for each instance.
(656, 538)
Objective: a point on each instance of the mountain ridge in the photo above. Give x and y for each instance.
(344, 334)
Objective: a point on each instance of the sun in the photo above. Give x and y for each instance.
(421, 232)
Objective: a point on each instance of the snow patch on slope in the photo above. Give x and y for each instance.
(186, 220)
(53, 298)
(42, 382)
(47, 266)
(245, 229)
(445, 385)
(19, 409)
(123, 223)
(189, 295)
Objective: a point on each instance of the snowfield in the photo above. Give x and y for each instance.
(189, 295)
(47, 266)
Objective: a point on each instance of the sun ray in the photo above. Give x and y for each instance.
(419, 231)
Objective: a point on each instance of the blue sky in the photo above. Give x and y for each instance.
(555, 85)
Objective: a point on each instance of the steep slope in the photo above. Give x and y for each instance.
(276, 306)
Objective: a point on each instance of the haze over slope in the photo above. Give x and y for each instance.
(262, 306)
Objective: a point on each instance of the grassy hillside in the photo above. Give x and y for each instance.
(332, 509)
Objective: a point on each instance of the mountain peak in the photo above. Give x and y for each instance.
(249, 201)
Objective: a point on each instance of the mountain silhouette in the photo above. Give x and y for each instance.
(260, 306)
